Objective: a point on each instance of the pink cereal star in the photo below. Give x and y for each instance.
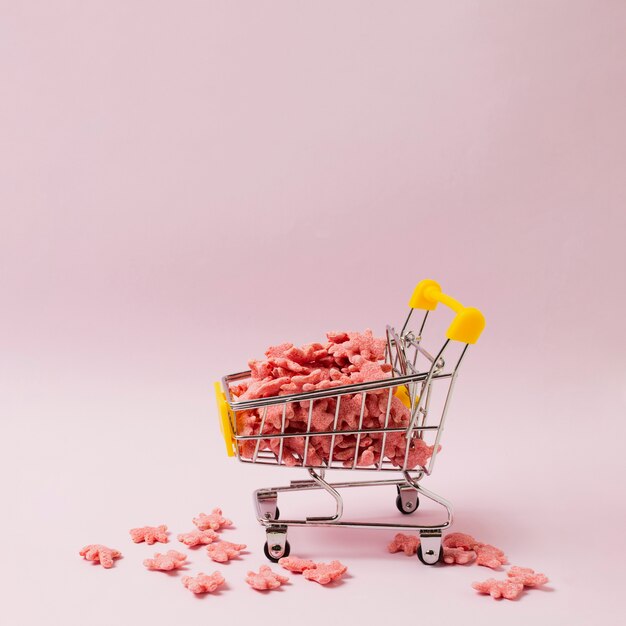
(98, 553)
(509, 589)
(295, 564)
(459, 540)
(489, 555)
(528, 577)
(203, 583)
(149, 534)
(224, 551)
(324, 573)
(458, 556)
(214, 520)
(166, 562)
(198, 537)
(265, 579)
(407, 543)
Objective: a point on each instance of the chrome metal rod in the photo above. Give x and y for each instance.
(406, 322)
(444, 413)
(323, 433)
(331, 392)
(319, 483)
(319, 479)
(334, 433)
(282, 441)
(360, 430)
(426, 382)
(258, 441)
(308, 430)
(384, 441)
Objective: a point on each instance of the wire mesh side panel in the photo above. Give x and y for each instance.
(365, 430)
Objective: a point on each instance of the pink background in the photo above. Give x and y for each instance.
(185, 183)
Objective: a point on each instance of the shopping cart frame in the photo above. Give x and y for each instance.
(402, 352)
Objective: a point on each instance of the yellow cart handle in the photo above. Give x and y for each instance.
(223, 411)
(468, 323)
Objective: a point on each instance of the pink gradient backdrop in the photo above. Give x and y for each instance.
(184, 183)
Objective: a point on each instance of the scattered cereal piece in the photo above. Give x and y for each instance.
(513, 586)
(324, 573)
(149, 534)
(265, 579)
(198, 537)
(295, 564)
(528, 577)
(98, 553)
(459, 540)
(458, 556)
(214, 520)
(407, 543)
(166, 562)
(509, 589)
(203, 583)
(224, 551)
(489, 555)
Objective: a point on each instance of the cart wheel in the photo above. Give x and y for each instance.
(273, 559)
(277, 514)
(420, 556)
(405, 511)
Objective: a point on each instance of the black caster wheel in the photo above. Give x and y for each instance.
(420, 556)
(273, 559)
(401, 508)
(277, 513)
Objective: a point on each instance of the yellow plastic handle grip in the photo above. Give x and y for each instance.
(468, 323)
(223, 411)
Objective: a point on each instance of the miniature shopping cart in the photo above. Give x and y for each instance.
(423, 380)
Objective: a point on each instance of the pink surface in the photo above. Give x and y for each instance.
(186, 183)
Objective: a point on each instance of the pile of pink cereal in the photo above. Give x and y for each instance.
(346, 358)
(207, 534)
